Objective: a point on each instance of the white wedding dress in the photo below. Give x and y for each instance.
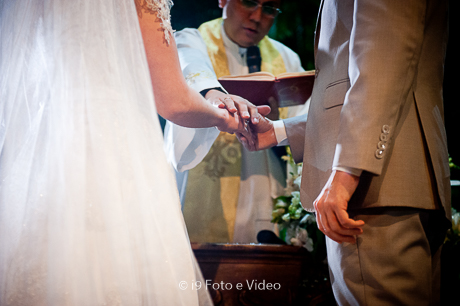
(89, 210)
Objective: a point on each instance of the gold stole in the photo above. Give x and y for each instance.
(213, 185)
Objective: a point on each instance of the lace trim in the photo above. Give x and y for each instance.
(162, 8)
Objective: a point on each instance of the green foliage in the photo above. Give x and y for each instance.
(295, 27)
(453, 166)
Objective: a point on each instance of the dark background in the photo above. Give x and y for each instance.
(295, 28)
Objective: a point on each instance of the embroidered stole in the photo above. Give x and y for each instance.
(213, 185)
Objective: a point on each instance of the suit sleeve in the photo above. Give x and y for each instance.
(295, 132)
(384, 50)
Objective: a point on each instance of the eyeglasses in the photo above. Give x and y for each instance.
(252, 6)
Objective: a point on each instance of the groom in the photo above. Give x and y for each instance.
(374, 152)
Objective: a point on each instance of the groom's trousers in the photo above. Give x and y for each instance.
(366, 273)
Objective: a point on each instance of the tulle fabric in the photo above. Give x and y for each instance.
(89, 212)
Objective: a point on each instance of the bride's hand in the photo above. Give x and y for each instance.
(235, 104)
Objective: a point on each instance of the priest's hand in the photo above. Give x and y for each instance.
(331, 208)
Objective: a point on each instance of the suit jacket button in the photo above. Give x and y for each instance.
(379, 153)
(384, 137)
(316, 72)
(381, 145)
(385, 129)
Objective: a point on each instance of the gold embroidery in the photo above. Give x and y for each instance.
(192, 76)
(210, 32)
(224, 153)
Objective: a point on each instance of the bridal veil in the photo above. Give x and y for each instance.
(89, 211)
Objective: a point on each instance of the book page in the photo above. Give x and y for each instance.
(295, 74)
(256, 76)
(267, 76)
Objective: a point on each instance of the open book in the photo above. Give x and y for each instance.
(290, 88)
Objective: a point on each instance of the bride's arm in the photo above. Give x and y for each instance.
(174, 99)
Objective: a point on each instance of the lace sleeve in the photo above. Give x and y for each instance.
(162, 9)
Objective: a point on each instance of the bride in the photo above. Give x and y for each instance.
(89, 212)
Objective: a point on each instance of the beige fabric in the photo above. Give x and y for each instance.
(369, 273)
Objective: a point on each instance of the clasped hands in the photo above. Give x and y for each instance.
(239, 113)
(332, 203)
(245, 120)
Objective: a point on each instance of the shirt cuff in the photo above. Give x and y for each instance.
(349, 170)
(280, 133)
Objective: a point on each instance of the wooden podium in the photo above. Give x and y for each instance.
(262, 274)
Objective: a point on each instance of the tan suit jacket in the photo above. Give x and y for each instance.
(377, 103)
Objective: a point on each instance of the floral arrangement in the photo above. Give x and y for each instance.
(451, 250)
(296, 225)
(453, 235)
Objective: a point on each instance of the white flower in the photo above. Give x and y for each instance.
(298, 213)
(278, 212)
(281, 204)
(301, 239)
(296, 242)
(286, 217)
(455, 221)
(298, 180)
(308, 219)
(295, 197)
(291, 186)
(309, 245)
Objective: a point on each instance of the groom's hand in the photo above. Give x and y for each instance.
(262, 136)
(233, 123)
(331, 208)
